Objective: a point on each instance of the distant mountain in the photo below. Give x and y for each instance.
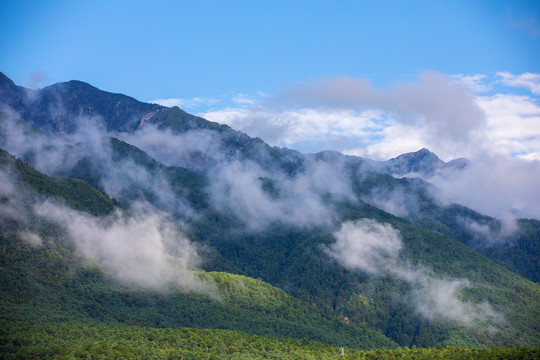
(242, 207)
(421, 163)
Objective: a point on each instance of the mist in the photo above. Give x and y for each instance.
(59, 154)
(486, 234)
(494, 185)
(143, 249)
(394, 201)
(372, 247)
(260, 197)
(174, 149)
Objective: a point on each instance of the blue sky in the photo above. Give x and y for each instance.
(235, 61)
(184, 49)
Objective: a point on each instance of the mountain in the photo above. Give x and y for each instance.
(422, 163)
(132, 213)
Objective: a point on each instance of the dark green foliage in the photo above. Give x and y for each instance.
(522, 252)
(114, 341)
(74, 192)
(518, 251)
(293, 259)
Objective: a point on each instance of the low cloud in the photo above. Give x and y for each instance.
(48, 153)
(395, 201)
(175, 149)
(260, 197)
(123, 179)
(372, 247)
(144, 249)
(490, 233)
(366, 245)
(494, 185)
(31, 238)
(437, 298)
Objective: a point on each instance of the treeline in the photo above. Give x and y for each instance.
(114, 341)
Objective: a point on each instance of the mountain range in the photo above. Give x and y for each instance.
(120, 212)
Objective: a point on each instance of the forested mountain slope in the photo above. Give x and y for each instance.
(361, 257)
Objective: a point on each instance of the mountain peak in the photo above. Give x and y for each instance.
(5, 81)
(422, 162)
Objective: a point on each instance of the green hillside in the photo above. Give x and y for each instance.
(116, 341)
(293, 259)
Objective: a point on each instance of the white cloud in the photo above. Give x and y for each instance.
(527, 80)
(237, 187)
(186, 103)
(494, 185)
(349, 115)
(475, 83)
(513, 125)
(170, 102)
(173, 149)
(144, 249)
(396, 139)
(437, 103)
(305, 129)
(373, 247)
(366, 245)
(244, 99)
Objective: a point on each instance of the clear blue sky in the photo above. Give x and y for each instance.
(184, 49)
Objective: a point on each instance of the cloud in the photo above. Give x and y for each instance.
(31, 238)
(494, 185)
(260, 197)
(372, 247)
(47, 153)
(245, 99)
(123, 179)
(394, 201)
(366, 245)
(174, 149)
(530, 81)
(475, 83)
(144, 249)
(454, 116)
(188, 104)
(490, 233)
(306, 129)
(36, 79)
(437, 298)
(513, 126)
(348, 114)
(497, 131)
(11, 200)
(440, 104)
(530, 24)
